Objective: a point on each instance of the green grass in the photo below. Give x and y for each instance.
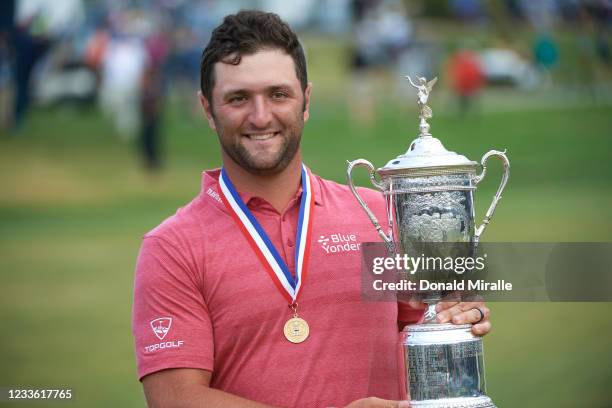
(74, 204)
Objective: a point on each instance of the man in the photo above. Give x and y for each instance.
(238, 300)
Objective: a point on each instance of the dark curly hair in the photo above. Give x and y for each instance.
(245, 33)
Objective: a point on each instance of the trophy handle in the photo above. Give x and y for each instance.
(376, 183)
(500, 189)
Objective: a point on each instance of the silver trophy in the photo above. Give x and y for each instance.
(429, 196)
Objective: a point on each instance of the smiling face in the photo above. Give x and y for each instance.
(258, 110)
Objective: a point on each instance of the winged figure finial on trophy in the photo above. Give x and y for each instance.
(423, 89)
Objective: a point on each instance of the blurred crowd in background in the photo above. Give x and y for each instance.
(126, 56)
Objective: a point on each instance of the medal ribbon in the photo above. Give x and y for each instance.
(259, 241)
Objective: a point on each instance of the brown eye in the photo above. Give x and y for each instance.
(279, 95)
(235, 100)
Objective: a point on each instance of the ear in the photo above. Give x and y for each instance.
(307, 101)
(206, 105)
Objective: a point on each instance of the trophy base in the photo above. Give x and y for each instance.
(445, 364)
(469, 402)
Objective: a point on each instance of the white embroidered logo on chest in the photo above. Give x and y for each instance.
(336, 243)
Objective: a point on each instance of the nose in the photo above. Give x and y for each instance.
(260, 115)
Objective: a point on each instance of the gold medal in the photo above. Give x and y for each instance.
(296, 330)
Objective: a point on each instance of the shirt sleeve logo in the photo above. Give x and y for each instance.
(161, 326)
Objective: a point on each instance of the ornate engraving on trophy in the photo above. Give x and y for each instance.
(444, 216)
(436, 217)
(446, 370)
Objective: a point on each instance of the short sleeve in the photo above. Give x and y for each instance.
(170, 320)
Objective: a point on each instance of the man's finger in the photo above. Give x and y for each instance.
(456, 310)
(445, 304)
(474, 315)
(448, 301)
(482, 328)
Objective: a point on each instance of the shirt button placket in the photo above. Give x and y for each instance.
(288, 239)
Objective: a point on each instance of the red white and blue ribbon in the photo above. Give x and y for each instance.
(273, 263)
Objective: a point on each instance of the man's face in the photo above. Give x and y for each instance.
(258, 110)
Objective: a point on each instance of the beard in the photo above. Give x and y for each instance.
(264, 163)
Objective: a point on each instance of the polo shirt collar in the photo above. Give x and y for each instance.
(210, 189)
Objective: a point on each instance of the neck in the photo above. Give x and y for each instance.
(277, 189)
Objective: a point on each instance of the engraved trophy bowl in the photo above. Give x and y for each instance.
(429, 193)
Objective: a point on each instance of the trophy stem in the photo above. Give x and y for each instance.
(424, 128)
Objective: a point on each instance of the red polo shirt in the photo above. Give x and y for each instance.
(203, 300)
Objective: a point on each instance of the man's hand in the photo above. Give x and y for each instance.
(373, 402)
(465, 312)
(456, 312)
